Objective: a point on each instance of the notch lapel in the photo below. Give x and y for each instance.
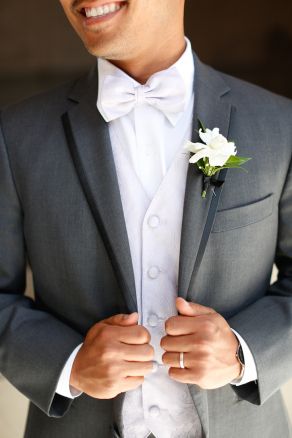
(199, 213)
(89, 143)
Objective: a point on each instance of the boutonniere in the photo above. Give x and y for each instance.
(214, 154)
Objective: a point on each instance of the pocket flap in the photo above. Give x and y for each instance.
(244, 215)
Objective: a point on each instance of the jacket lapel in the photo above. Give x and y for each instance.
(89, 143)
(198, 213)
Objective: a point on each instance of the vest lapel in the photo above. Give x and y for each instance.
(89, 143)
(199, 213)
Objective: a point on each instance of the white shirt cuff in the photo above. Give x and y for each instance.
(64, 388)
(250, 371)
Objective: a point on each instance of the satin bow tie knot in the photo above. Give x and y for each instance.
(118, 95)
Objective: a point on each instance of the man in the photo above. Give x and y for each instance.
(153, 313)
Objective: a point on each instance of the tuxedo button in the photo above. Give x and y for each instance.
(153, 272)
(153, 320)
(153, 221)
(154, 411)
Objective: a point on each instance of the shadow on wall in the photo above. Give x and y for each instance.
(274, 68)
(251, 40)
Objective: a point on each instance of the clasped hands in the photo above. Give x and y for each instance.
(116, 353)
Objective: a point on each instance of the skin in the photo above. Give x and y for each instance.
(146, 37)
(143, 38)
(114, 358)
(208, 343)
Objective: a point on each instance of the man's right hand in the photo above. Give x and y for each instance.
(114, 357)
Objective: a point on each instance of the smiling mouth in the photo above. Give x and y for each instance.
(102, 10)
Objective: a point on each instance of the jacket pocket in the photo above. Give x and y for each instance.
(244, 215)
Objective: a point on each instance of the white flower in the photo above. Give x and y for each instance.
(217, 148)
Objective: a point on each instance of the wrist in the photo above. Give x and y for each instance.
(240, 358)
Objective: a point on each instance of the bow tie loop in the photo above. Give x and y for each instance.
(118, 95)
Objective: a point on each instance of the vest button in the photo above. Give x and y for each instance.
(153, 221)
(153, 320)
(153, 272)
(154, 411)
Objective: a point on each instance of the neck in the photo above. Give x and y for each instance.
(153, 59)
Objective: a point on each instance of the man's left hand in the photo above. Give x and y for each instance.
(208, 343)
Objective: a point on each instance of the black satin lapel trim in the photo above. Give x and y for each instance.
(89, 144)
(199, 213)
(208, 226)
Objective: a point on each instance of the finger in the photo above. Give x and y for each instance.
(130, 382)
(122, 319)
(137, 368)
(139, 353)
(178, 343)
(135, 334)
(182, 325)
(183, 375)
(192, 309)
(172, 359)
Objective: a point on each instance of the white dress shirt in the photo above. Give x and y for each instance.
(151, 169)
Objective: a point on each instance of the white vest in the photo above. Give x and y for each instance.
(160, 405)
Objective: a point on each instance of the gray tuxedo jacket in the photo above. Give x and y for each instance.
(61, 212)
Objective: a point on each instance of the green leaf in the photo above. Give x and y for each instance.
(230, 167)
(234, 159)
(201, 125)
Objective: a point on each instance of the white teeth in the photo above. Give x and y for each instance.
(102, 10)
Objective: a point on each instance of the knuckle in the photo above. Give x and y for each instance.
(169, 323)
(150, 351)
(106, 353)
(209, 326)
(204, 350)
(143, 334)
(163, 342)
(112, 372)
(164, 358)
(104, 333)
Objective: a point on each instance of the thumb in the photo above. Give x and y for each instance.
(188, 308)
(122, 319)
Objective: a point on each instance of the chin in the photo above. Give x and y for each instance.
(104, 51)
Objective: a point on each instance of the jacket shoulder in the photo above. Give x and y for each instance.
(37, 107)
(247, 93)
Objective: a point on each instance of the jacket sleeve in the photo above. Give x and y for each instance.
(266, 325)
(34, 345)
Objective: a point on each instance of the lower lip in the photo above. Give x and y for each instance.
(95, 20)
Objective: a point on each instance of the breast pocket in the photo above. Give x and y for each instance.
(244, 215)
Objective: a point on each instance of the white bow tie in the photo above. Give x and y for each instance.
(118, 95)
